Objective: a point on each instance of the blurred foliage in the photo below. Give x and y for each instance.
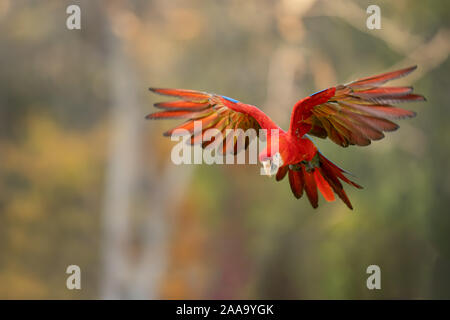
(235, 234)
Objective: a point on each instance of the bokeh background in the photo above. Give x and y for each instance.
(86, 180)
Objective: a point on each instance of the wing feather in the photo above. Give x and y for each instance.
(356, 113)
(211, 111)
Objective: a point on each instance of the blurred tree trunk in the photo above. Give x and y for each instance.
(135, 247)
(122, 169)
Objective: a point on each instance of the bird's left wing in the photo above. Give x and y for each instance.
(355, 113)
(211, 111)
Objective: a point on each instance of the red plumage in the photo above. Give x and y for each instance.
(352, 114)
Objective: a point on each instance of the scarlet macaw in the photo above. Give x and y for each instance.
(352, 114)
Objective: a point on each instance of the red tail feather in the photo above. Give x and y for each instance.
(297, 182)
(322, 175)
(323, 186)
(311, 187)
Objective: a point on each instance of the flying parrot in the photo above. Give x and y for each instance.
(351, 114)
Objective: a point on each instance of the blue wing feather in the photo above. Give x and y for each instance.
(230, 99)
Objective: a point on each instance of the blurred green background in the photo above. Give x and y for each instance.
(86, 180)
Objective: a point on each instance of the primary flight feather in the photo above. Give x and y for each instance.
(352, 114)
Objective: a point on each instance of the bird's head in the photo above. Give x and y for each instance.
(272, 156)
(271, 164)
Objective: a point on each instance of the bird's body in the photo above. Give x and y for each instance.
(352, 114)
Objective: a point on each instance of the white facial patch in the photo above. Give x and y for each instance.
(271, 166)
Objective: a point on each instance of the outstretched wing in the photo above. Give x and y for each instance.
(211, 111)
(355, 113)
